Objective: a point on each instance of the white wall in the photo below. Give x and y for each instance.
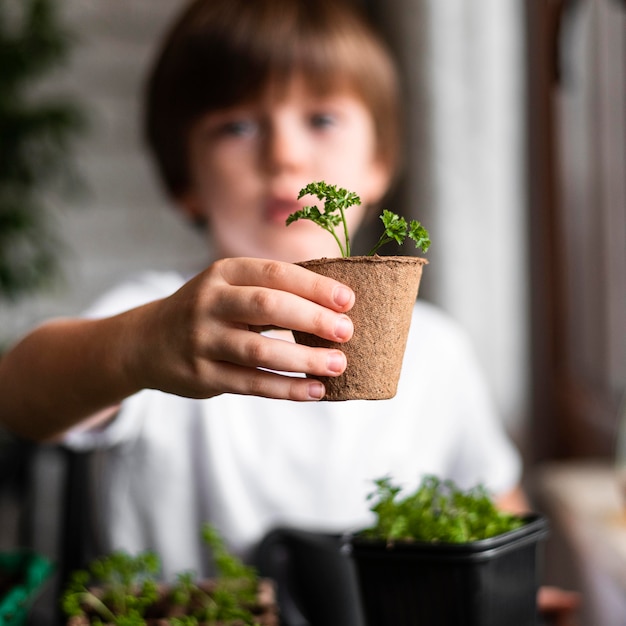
(123, 223)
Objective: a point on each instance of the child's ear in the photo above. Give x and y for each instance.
(190, 206)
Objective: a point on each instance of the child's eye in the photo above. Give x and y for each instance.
(322, 120)
(239, 128)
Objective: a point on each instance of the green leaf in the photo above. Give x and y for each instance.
(37, 132)
(436, 511)
(419, 235)
(395, 226)
(336, 200)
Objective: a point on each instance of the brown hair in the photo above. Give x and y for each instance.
(224, 52)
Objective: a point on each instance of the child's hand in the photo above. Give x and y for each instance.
(558, 607)
(201, 341)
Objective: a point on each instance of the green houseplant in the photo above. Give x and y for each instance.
(385, 286)
(446, 557)
(123, 590)
(37, 129)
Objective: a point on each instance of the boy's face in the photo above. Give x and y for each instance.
(248, 164)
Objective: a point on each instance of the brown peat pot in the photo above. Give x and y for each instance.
(386, 288)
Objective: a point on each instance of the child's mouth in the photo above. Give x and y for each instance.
(278, 210)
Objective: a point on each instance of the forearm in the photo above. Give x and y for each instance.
(196, 343)
(63, 373)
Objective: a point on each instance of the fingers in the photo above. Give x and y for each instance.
(259, 306)
(240, 380)
(252, 350)
(287, 277)
(262, 294)
(559, 605)
(554, 599)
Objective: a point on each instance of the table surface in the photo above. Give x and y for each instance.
(584, 498)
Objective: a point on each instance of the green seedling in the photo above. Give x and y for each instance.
(437, 511)
(332, 217)
(126, 588)
(122, 589)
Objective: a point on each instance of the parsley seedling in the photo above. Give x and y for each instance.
(437, 511)
(127, 587)
(333, 216)
(126, 590)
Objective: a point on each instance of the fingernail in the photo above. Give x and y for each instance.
(316, 391)
(343, 327)
(342, 296)
(336, 362)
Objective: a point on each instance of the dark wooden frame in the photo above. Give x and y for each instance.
(577, 228)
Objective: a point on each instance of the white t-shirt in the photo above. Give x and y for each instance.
(246, 464)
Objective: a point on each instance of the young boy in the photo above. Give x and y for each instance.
(167, 376)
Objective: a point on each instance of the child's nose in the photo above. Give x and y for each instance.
(284, 149)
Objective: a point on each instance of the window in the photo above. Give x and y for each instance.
(577, 205)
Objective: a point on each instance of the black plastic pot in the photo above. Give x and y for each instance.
(491, 582)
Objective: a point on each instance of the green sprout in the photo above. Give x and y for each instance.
(437, 511)
(122, 590)
(128, 587)
(332, 216)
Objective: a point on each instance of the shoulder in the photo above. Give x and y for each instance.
(135, 291)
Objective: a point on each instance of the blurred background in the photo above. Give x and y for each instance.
(516, 163)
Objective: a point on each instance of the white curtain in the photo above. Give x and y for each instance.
(463, 64)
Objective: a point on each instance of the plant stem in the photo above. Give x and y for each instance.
(381, 242)
(344, 252)
(96, 604)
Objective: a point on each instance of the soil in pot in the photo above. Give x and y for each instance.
(386, 288)
(161, 613)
